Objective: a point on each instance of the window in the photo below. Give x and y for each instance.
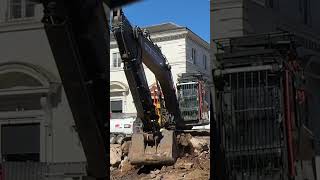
(306, 13)
(21, 9)
(193, 56)
(300, 6)
(28, 148)
(116, 60)
(270, 3)
(205, 61)
(116, 106)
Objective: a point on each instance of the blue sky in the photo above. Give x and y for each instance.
(193, 14)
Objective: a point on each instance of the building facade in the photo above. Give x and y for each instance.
(185, 51)
(244, 17)
(36, 123)
(233, 18)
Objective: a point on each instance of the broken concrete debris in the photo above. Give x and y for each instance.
(199, 145)
(192, 164)
(115, 155)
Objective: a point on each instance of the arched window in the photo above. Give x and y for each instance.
(11, 100)
(26, 95)
(22, 86)
(11, 80)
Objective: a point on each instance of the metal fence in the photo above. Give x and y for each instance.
(250, 116)
(42, 171)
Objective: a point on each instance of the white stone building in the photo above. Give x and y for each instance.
(185, 51)
(36, 122)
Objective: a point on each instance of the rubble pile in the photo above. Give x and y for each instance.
(193, 162)
(115, 154)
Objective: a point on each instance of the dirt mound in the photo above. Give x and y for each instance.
(193, 163)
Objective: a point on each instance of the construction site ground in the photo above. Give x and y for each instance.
(193, 162)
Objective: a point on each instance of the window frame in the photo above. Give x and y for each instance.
(306, 12)
(22, 122)
(194, 56)
(118, 60)
(119, 100)
(270, 3)
(300, 6)
(23, 10)
(204, 61)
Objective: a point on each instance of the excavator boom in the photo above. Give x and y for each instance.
(154, 145)
(136, 44)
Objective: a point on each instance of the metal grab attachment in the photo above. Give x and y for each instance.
(249, 106)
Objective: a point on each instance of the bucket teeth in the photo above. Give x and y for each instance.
(162, 154)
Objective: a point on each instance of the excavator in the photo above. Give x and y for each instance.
(153, 143)
(79, 36)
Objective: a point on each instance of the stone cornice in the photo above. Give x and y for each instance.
(173, 35)
(196, 39)
(160, 37)
(169, 38)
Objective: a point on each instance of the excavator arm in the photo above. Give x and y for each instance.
(135, 45)
(152, 146)
(131, 54)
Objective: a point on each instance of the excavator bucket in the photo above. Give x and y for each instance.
(165, 153)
